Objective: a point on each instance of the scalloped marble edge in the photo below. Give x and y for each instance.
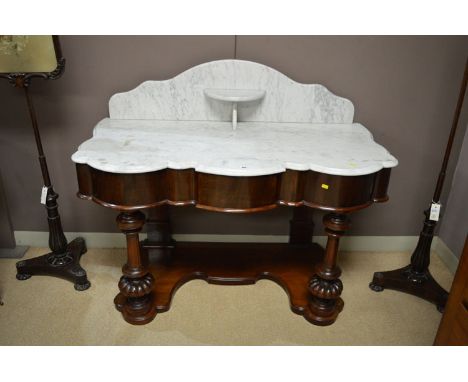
(182, 97)
(105, 151)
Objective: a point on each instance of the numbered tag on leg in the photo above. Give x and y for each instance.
(44, 195)
(435, 212)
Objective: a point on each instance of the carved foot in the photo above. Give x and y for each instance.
(135, 300)
(136, 287)
(82, 287)
(22, 276)
(323, 313)
(325, 303)
(325, 287)
(375, 287)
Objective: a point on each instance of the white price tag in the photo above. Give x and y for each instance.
(435, 211)
(44, 195)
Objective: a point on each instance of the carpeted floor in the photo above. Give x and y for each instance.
(48, 311)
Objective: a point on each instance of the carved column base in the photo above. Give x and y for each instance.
(321, 313)
(135, 300)
(64, 265)
(325, 287)
(325, 302)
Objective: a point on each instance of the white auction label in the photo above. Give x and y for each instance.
(435, 212)
(44, 195)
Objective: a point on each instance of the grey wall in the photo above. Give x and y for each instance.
(404, 90)
(7, 239)
(454, 226)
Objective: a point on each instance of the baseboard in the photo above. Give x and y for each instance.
(446, 255)
(13, 253)
(117, 240)
(347, 243)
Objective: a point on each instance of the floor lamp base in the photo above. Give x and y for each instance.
(408, 281)
(64, 265)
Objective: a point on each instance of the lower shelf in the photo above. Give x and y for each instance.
(233, 264)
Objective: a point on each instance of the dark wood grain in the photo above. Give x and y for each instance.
(291, 267)
(136, 283)
(301, 226)
(325, 286)
(310, 278)
(230, 193)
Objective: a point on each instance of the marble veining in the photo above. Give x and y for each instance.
(182, 98)
(174, 124)
(255, 148)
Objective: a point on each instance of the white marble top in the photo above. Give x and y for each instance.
(255, 148)
(176, 124)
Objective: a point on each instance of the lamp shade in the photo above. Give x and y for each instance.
(28, 54)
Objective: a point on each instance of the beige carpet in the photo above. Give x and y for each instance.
(48, 311)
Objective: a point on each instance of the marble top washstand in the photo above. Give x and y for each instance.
(234, 137)
(174, 124)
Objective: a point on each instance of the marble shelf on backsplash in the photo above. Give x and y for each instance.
(255, 148)
(235, 96)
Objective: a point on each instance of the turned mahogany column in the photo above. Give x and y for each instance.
(325, 286)
(136, 284)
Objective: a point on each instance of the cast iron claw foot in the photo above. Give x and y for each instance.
(63, 265)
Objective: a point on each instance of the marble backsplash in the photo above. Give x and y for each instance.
(182, 97)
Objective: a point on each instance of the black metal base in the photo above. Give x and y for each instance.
(64, 265)
(408, 281)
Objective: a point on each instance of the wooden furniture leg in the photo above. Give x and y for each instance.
(136, 284)
(301, 227)
(159, 243)
(325, 286)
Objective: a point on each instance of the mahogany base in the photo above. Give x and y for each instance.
(65, 265)
(290, 266)
(406, 280)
